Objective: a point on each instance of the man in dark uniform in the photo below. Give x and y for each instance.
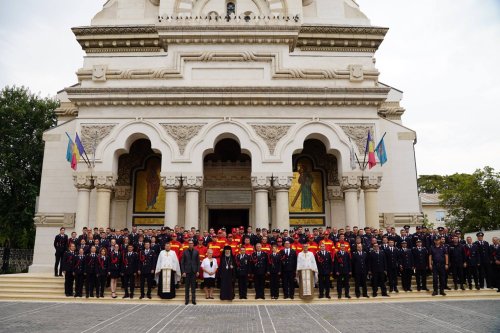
(325, 267)
(243, 268)
(484, 258)
(68, 266)
(147, 266)
(259, 261)
(421, 262)
(60, 245)
(472, 263)
(438, 263)
(391, 253)
(79, 271)
(90, 269)
(377, 269)
(360, 270)
(496, 262)
(129, 270)
(456, 252)
(495, 268)
(342, 269)
(288, 269)
(274, 270)
(406, 265)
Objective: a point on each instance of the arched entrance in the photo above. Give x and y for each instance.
(227, 190)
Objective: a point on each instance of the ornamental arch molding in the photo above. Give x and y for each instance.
(332, 136)
(110, 149)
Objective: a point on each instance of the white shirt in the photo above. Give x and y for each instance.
(205, 265)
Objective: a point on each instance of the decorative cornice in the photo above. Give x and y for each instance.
(226, 96)
(271, 134)
(391, 110)
(93, 134)
(182, 133)
(66, 109)
(277, 70)
(66, 220)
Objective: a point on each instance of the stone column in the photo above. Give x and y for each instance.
(122, 196)
(282, 184)
(351, 183)
(371, 184)
(261, 185)
(171, 184)
(337, 207)
(193, 185)
(104, 184)
(84, 184)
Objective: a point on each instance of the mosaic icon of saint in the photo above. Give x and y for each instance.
(153, 184)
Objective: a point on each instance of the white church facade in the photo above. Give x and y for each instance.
(215, 113)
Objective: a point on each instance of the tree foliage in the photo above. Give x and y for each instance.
(472, 200)
(24, 117)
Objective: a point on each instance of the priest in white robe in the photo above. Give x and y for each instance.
(307, 272)
(167, 273)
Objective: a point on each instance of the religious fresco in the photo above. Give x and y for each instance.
(306, 192)
(309, 221)
(153, 221)
(149, 195)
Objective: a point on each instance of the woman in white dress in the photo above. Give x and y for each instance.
(209, 267)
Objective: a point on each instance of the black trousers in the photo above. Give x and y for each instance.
(406, 275)
(360, 282)
(69, 280)
(378, 281)
(58, 265)
(288, 284)
(484, 274)
(343, 282)
(324, 285)
(100, 285)
(472, 274)
(189, 284)
(421, 277)
(275, 285)
(80, 278)
(129, 284)
(259, 280)
(458, 273)
(242, 286)
(438, 276)
(90, 284)
(392, 276)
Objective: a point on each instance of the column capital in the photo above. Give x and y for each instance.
(261, 181)
(335, 193)
(372, 181)
(351, 181)
(83, 180)
(122, 192)
(192, 182)
(104, 181)
(171, 181)
(282, 181)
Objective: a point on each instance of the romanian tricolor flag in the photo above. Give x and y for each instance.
(370, 150)
(72, 153)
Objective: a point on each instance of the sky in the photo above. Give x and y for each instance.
(443, 54)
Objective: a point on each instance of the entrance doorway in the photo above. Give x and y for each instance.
(228, 218)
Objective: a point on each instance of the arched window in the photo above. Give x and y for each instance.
(230, 10)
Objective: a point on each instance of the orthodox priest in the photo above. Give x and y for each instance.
(226, 271)
(307, 272)
(168, 272)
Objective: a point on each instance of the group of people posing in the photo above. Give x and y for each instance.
(288, 259)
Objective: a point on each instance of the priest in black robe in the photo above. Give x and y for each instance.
(226, 271)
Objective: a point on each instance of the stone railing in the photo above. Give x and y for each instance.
(18, 260)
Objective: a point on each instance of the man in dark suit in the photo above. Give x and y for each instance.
(129, 270)
(242, 270)
(377, 269)
(421, 262)
(325, 267)
(289, 269)
(391, 254)
(147, 266)
(259, 269)
(360, 270)
(60, 245)
(456, 251)
(68, 266)
(190, 262)
(472, 261)
(342, 269)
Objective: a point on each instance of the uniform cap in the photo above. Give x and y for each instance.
(406, 227)
(440, 228)
(479, 234)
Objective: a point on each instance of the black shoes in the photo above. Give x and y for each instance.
(442, 293)
(434, 293)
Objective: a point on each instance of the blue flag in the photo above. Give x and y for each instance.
(69, 151)
(381, 152)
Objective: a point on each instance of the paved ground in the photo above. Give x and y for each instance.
(437, 316)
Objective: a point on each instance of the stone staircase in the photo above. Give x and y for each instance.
(46, 287)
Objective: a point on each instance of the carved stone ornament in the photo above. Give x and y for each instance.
(271, 134)
(335, 193)
(171, 182)
(94, 133)
(372, 181)
(192, 182)
(351, 182)
(358, 134)
(282, 182)
(122, 192)
(355, 73)
(261, 182)
(155, 2)
(83, 181)
(99, 73)
(105, 182)
(182, 133)
(66, 220)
